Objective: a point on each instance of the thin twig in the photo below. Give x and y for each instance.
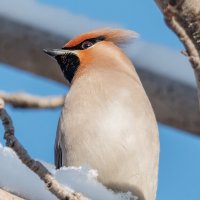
(61, 192)
(23, 100)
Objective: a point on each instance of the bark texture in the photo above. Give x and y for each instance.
(183, 17)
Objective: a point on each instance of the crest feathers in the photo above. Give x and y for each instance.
(117, 36)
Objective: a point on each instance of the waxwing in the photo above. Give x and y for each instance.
(107, 121)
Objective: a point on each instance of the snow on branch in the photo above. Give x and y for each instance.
(62, 193)
(183, 17)
(23, 100)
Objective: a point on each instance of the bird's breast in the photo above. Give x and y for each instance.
(106, 113)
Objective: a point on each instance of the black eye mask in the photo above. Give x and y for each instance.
(81, 46)
(69, 64)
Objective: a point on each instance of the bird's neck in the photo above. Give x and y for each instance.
(107, 67)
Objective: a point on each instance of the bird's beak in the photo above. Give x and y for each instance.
(55, 52)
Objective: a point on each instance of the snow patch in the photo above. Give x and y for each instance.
(17, 178)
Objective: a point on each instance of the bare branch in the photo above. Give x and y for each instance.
(61, 192)
(2, 103)
(183, 17)
(9, 196)
(23, 100)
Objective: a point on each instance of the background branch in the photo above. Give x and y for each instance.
(61, 192)
(9, 196)
(175, 103)
(183, 17)
(23, 100)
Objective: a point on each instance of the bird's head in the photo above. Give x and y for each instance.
(90, 49)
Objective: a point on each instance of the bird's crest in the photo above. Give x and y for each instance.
(117, 36)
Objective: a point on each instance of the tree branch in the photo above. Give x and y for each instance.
(23, 100)
(183, 17)
(61, 192)
(9, 196)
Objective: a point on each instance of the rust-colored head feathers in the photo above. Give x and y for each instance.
(93, 49)
(117, 36)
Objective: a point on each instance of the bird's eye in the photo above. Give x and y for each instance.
(86, 44)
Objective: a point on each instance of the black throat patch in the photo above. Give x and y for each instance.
(69, 64)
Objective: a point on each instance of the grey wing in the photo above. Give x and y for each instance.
(58, 149)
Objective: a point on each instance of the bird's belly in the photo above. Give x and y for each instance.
(111, 140)
(95, 134)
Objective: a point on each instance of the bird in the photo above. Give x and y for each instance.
(107, 121)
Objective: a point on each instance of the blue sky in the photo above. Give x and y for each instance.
(142, 16)
(179, 162)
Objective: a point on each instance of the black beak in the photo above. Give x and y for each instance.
(55, 52)
(68, 61)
